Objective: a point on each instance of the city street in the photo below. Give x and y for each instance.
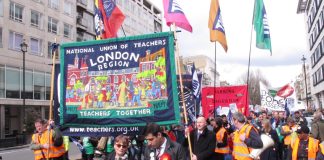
(27, 154)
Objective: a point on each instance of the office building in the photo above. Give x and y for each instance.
(314, 19)
(40, 23)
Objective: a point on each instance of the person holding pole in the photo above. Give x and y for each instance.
(246, 138)
(160, 147)
(47, 140)
(203, 141)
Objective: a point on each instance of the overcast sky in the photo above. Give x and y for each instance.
(287, 31)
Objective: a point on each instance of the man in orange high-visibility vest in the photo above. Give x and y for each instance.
(287, 131)
(304, 147)
(221, 148)
(47, 143)
(246, 138)
(320, 154)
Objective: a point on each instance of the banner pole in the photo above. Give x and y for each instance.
(215, 107)
(51, 96)
(181, 85)
(249, 63)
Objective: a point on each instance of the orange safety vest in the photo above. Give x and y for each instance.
(287, 139)
(219, 138)
(43, 139)
(240, 149)
(312, 148)
(322, 147)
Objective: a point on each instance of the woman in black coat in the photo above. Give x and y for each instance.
(270, 153)
(120, 152)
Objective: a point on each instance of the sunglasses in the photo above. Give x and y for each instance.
(120, 145)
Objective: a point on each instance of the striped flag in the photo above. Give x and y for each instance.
(261, 26)
(215, 25)
(195, 82)
(174, 14)
(108, 19)
(287, 111)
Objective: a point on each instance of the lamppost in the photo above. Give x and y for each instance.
(304, 59)
(23, 48)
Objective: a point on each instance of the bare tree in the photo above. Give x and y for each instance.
(254, 85)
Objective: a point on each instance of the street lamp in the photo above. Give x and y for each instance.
(23, 48)
(304, 59)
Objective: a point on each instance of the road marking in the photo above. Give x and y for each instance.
(14, 151)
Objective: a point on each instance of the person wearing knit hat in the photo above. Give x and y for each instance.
(304, 147)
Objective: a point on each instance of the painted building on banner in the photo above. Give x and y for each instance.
(40, 23)
(314, 20)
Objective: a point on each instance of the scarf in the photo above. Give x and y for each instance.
(124, 157)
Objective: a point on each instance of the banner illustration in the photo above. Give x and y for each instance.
(119, 82)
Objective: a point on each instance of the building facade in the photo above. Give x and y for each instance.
(40, 23)
(314, 17)
(301, 83)
(141, 17)
(205, 66)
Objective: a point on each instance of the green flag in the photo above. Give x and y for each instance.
(273, 92)
(261, 26)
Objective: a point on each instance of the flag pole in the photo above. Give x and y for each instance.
(51, 96)
(249, 63)
(215, 84)
(181, 85)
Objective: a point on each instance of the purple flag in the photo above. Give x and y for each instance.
(174, 14)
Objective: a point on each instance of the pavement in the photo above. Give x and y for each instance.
(73, 155)
(15, 147)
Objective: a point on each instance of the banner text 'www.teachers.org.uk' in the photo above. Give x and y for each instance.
(123, 130)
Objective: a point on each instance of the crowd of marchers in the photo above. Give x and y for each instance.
(264, 136)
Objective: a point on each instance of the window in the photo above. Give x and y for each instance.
(28, 84)
(310, 40)
(309, 24)
(67, 30)
(49, 50)
(321, 21)
(322, 44)
(314, 79)
(67, 7)
(53, 4)
(35, 18)
(52, 25)
(12, 83)
(1, 37)
(89, 21)
(319, 75)
(36, 46)
(87, 36)
(39, 85)
(48, 85)
(317, 2)
(1, 8)
(16, 12)
(15, 39)
(2, 82)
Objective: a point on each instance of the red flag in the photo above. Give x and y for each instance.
(285, 91)
(112, 17)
